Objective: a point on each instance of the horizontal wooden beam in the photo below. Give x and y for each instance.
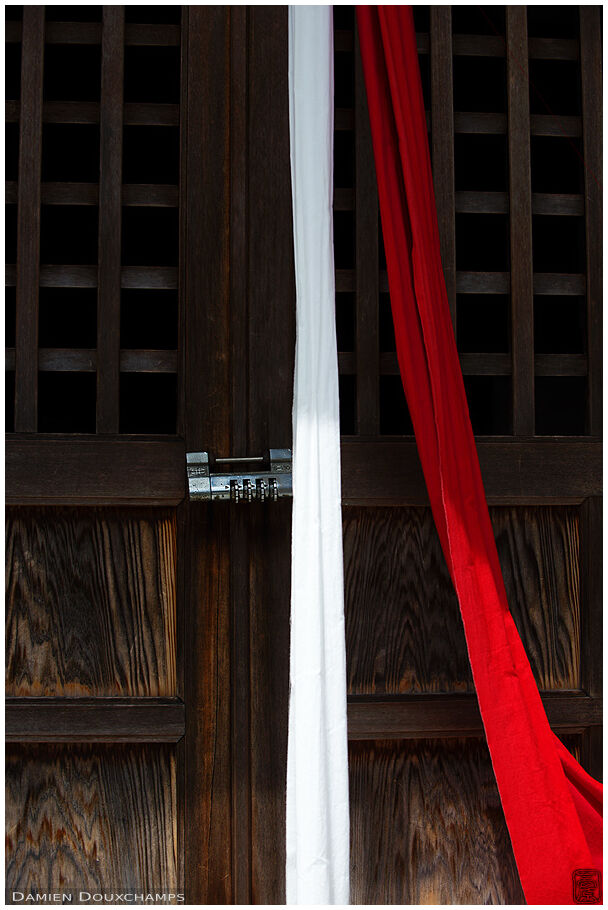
(85, 276)
(74, 360)
(95, 720)
(481, 282)
(545, 470)
(89, 470)
(476, 364)
(135, 113)
(417, 716)
(482, 45)
(133, 194)
(146, 34)
(123, 470)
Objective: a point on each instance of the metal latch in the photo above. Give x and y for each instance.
(268, 484)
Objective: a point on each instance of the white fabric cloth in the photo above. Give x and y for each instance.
(317, 858)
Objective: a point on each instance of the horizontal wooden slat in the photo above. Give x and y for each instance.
(77, 720)
(537, 471)
(553, 283)
(136, 194)
(540, 124)
(420, 716)
(85, 276)
(482, 46)
(344, 200)
(135, 114)
(88, 470)
(68, 360)
(498, 203)
(478, 364)
(486, 282)
(148, 34)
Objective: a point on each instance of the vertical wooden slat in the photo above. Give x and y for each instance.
(205, 555)
(591, 80)
(366, 263)
(240, 659)
(110, 190)
(591, 620)
(28, 221)
(522, 299)
(271, 339)
(442, 140)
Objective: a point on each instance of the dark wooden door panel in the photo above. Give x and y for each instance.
(91, 818)
(90, 606)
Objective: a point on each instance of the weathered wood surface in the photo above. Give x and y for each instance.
(91, 818)
(427, 826)
(403, 627)
(90, 604)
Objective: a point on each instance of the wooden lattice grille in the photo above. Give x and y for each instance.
(92, 215)
(513, 109)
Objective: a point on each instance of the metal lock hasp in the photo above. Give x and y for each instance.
(268, 484)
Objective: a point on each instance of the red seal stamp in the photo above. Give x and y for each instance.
(587, 886)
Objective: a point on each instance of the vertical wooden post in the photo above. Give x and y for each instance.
(591, 80)
(110, 217)
(366, 263)
(205, 556)
(520, 196)
(28, 221)
(442, 139)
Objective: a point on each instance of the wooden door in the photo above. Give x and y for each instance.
(151, 278)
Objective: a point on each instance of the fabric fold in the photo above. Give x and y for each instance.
(317, 817)
(552, 808)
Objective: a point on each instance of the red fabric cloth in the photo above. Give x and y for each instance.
(552, 807)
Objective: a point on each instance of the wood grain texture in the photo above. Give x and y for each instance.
(520, 207)
(28, 220)
(90, 604)
(403, 627)
(427, 826)
(94, 818)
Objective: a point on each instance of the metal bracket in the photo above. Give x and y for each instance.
(270, 483)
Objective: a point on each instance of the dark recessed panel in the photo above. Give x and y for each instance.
(150, 236)
(11, 150)
(560, 405)
(344, 240)
(344, 95)
(560, 325)
(344, 158)
(481, 162)
(68, 234)
(73, 13)
(148, 403)
(68, 318)
(345, 321)
(348, 405)
(480, 84)
(72, 72)
(152, 74)
(558, 244)
(344, 17)
(386, 326)
(9, 401)
(148, 319)
(555, 21)
(10, 295)
(168, 14)
(70, 152)
(489, 399)
(484, 323)
(556, 164)
(555, 87)
(12, 71)
(66, 402)
(150, 154)
(395, 417)
(478, 20)
(482, 243)
(10, 240)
